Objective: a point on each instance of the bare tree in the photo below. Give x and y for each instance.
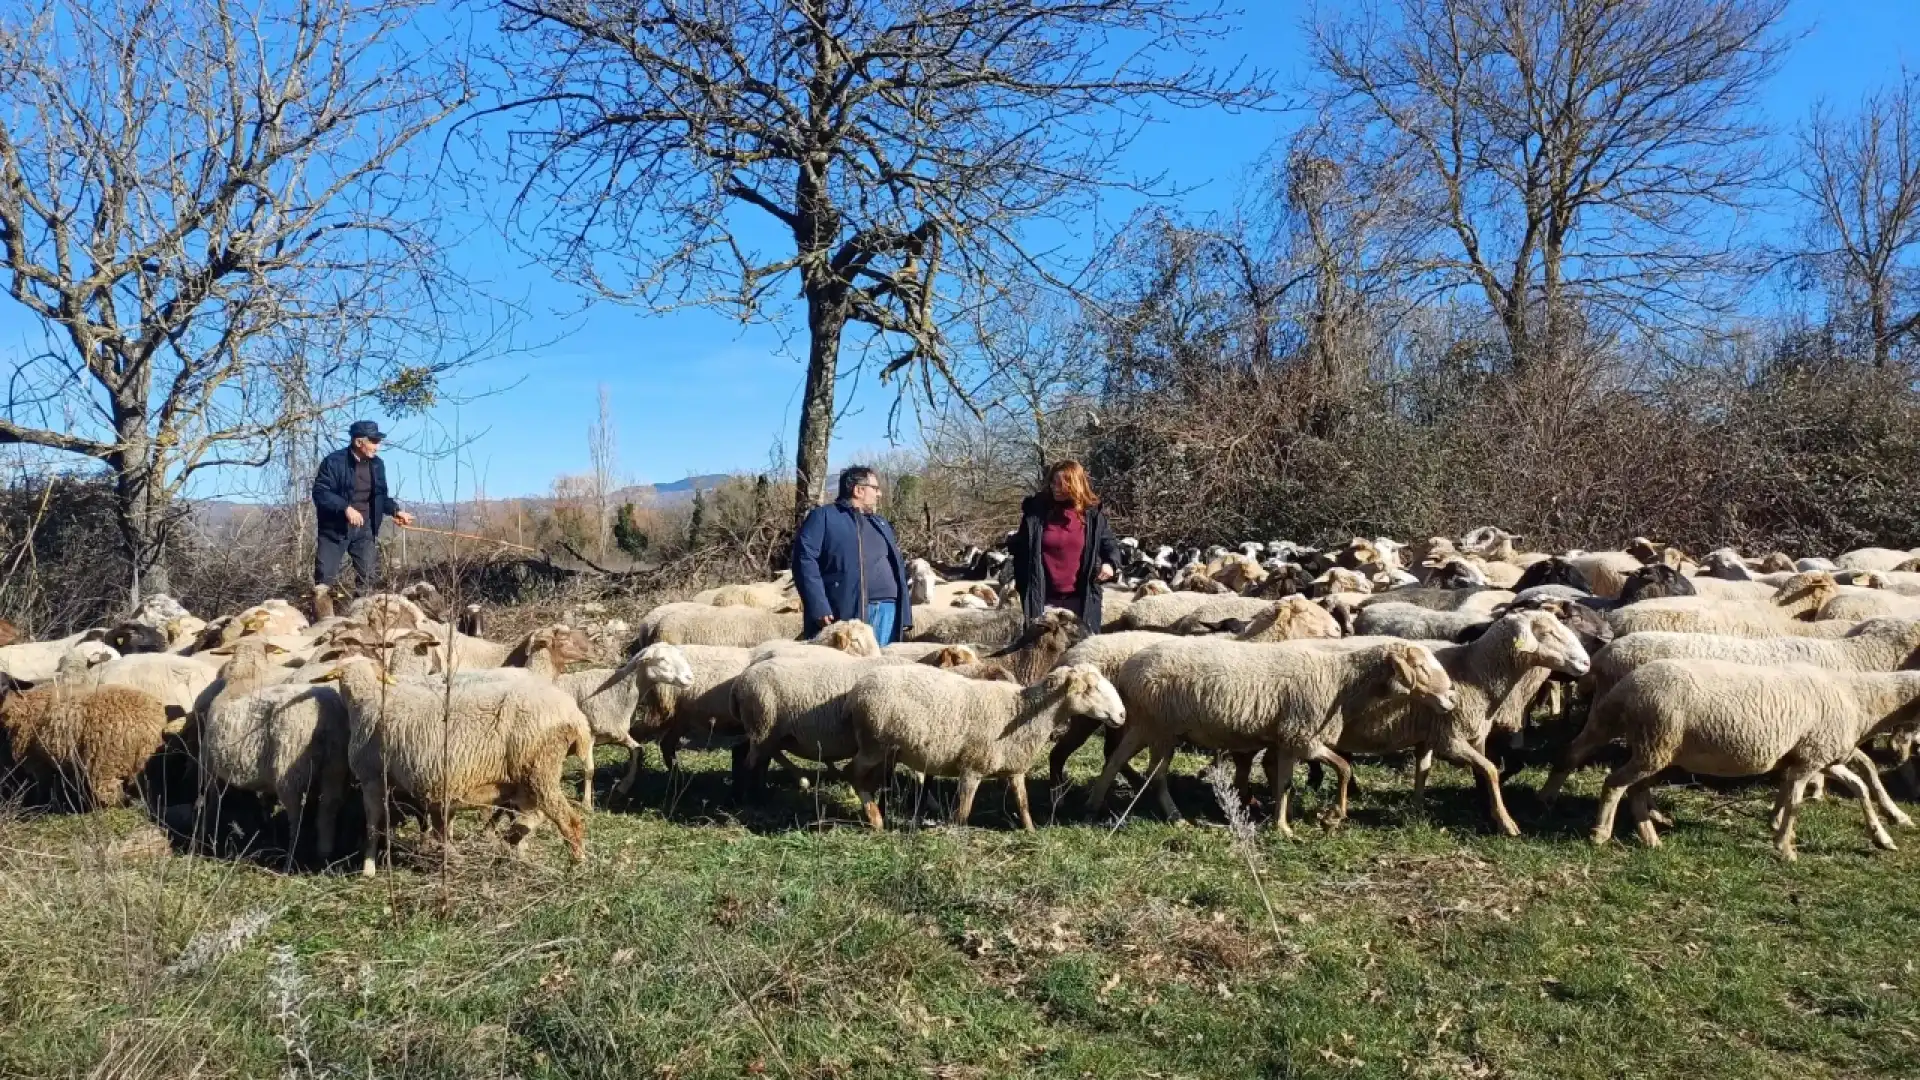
(202, 202)
(884, 153)
(604, 450)
(1860, 180)
(1577, 151)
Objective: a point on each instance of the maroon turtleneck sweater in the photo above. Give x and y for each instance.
(1062, 542)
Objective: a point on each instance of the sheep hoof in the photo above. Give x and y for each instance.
(1900, 819)
(1601, 839)
(1883, 841)
(367, 869)
(1660, 819)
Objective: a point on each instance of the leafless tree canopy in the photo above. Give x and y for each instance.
(1860, 181)
(1580, 157)
(879, 156)
(205, 203)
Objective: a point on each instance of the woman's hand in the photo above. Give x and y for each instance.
(1106, 572)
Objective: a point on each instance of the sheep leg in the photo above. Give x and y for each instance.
(1875, 831)
(1618, 781)
(1590, 740)
(1131, 740)
(969, 786)
(1342, 771)
(866, 776)
(1158, 766)
(1871, 774)
(1110, 738)
(636, 760)
(333, 791)
(373, 796)
(1640, 805)
(292, 793)
(1018, 782)
(1280, 765)
(1791, 791)
(550, 801)
(1817, 787)
(1422, 769)
(1079, 730)
(1463, 753)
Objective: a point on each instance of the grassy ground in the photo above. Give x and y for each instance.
(693, 943)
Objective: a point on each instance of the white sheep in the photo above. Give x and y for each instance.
(852, 637)
(1721, 718)
(1288, 698)
(993, 628)
(701, 624)
(672, 706)
(922, 580)
(480, 744)
(285, 741)
(1874, 645)
(940, 724)
(1874, 558)
(177, 681)
(1416, 623)
(797, 704)
(36, 661)
(1494, 679)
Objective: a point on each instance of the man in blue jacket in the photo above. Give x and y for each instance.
(349, 500)
(847, 565)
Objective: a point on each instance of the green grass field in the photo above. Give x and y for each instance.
(693, 943)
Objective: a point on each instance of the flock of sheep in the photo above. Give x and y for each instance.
(1274, 654)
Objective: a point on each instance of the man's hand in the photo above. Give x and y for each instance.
(402, 518)
(827, 620)
(1106, 572)
(354, 519)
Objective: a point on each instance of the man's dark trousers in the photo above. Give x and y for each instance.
(329, 552)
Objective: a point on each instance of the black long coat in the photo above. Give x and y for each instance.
(1029, 574)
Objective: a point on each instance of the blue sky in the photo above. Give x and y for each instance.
(695, 392)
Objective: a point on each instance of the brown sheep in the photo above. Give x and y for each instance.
(99, 740)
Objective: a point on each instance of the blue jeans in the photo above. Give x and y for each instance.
(884, 617)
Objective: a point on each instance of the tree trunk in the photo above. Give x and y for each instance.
(826, 320)
(141, 507)
(1882, 337)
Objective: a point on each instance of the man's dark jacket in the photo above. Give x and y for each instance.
(1030, 575)
(828, 570)
(333, 492)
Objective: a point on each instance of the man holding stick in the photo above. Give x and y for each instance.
(349, 500)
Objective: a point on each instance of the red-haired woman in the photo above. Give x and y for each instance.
(1064, 549)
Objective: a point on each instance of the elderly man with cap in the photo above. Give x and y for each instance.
(349, 500)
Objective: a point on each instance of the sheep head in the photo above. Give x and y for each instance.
(660, 664)
(1151, 587)
(952, 656)
(1861, 579)
(1726, 564)
(1544, 642)
(1086, 693)
(850, 636)
(1291, 618)
(1776, 562)
(1417, 674)
(1806, 593)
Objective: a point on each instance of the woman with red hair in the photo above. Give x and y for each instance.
(1064, 549)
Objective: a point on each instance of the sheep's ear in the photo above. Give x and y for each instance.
(1524, 641)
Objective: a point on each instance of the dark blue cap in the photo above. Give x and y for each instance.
(365, 429)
